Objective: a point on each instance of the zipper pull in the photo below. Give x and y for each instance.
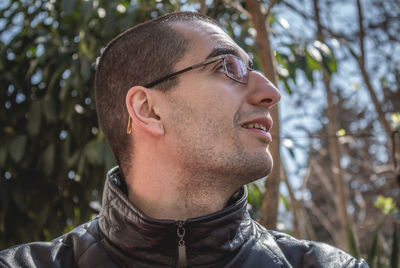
(182, 260)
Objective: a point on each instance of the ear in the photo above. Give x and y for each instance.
(143, 111)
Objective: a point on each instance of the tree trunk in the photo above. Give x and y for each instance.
(269, 208)
(361, 63)
(296, 208)
(334, 152)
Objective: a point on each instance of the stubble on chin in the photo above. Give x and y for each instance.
(207, 168)
(210, 150)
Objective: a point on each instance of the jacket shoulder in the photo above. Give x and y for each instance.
(304, 253)
(77, 247)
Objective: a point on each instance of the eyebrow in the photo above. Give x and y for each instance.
(221, 51)
(226, 50)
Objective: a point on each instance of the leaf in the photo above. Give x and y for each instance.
(396, 120)
(341, 132)
(385, 204)
(394, 257)
(85, 69)
(325, 63)
(43, 215)
(3, 155)
(286, 84)
(255, 195)
(35, 117)
(271, 18)
(19, 200)
(48, 159)
(77, 215)
(110, 19)
(49, 111)
(279, 57)
(55, 77)
(310, 77)
(94, 152)
(86, 10)
(73, 159)
(292, 67)
(285, 201)
(373, 251)
(378, 259)
(68, 6)
(352, 243)
(81, 164)
(64, 90)
(332, 65)
(312, 64)
(16, 147)
(109, 160)
(4, 202)
(32, 67)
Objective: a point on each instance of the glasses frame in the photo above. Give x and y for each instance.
(198, 65)
(203, 63)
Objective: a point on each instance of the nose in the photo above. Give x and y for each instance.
(262, 92)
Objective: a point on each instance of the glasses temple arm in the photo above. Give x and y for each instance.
(185, 70)
(167, 77)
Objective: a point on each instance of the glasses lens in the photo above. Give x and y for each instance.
(236, 69)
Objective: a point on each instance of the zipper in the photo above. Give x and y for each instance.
(180, 231)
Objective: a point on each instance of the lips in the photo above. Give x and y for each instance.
(260, 126)
(264, 124)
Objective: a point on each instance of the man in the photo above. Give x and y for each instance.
(188, 121)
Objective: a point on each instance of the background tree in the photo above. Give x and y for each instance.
(367, 148)
(53, 157)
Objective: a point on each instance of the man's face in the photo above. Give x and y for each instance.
(208, 120)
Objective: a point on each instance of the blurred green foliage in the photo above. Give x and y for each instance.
(386, 205)
(390, 256)
(53, 157)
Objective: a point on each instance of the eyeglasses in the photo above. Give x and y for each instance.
(234, 67)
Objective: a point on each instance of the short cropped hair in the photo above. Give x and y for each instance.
(138, 56)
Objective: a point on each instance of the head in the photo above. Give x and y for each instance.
(139, 55)
(205, 121)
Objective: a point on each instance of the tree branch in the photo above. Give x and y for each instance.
(235, 4)
(362, 34)
(270, 6)
(203, 7)
(361, 63)
(324, 220)
(359, 58)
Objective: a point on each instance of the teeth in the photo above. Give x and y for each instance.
(256, 125)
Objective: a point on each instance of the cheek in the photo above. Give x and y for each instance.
(197, 126)
(208, 112)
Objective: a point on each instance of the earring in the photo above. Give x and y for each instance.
(129, 128)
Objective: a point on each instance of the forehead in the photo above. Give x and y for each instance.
(206, 40)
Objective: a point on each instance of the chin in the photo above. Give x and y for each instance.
(265, 171)
(255, 168)
(264, 164)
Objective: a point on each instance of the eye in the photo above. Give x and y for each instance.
(219, 68)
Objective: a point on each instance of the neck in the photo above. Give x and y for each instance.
(174, 195)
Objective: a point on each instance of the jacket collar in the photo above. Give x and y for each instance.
(132, 235)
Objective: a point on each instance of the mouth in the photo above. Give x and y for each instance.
(260, 126)
(256, 126)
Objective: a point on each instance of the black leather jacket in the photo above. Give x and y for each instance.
(122, 236)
